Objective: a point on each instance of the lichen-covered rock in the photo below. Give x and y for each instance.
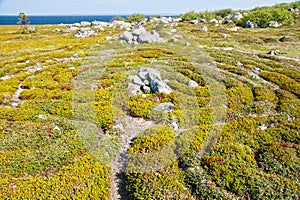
(165, 107)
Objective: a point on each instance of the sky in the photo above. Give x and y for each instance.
(102, 7)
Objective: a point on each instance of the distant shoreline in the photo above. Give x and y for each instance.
(61, 19)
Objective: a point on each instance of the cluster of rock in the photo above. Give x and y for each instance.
(85, 32)
(234, 16)
(140, 35)
(148, 80)
(81, 31)
(272, 24)
(167, 21)
(293, 9)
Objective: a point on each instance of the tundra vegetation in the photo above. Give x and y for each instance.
(255, 149)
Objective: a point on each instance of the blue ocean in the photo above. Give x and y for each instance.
(12, 20)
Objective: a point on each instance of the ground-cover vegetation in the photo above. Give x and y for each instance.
(238, 134)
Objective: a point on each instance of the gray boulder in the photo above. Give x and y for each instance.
(165, 107)
(149, 38)
(140, 35)
(203, 28)
(127, 36)
(149, 80)
(195, 21)
(146, 73)
(139, 30)
(160, 86)
(250, 24)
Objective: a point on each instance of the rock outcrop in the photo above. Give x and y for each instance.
(140, 35)
(85, 32)
(148, 80)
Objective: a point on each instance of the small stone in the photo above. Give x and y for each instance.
(192, 83)
(254, 76)
(263, 127)
(42, 116)
(194, 22)
(165, 107)
(108, 38)
(14, 104)
(257, 70)
(118, 126)
(273, 52)
(175, 126)
(239, 64)
(173, 39)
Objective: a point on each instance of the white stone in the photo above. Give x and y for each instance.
(42, 116)
(14, 104)
(263, 127)
(56, 128)
(192, 83)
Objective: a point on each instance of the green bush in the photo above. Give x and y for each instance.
(140, 107)
(263, 18)
(282, 81)
(167, 183)
(207, 15)
(223, 12)
(276, 158)
(136, 18)
(239, 97)
(164, 183)
(85, 178)
(289, 103)
(264, 94)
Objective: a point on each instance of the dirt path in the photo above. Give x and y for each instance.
(132, 127)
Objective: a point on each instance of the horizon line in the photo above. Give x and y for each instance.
(100, 14)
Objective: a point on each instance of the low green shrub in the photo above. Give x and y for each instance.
(263, 18)
(166, 182)
(140, 107)
(239, 97)
(136, 18)
(84, 178)
(282, 81)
